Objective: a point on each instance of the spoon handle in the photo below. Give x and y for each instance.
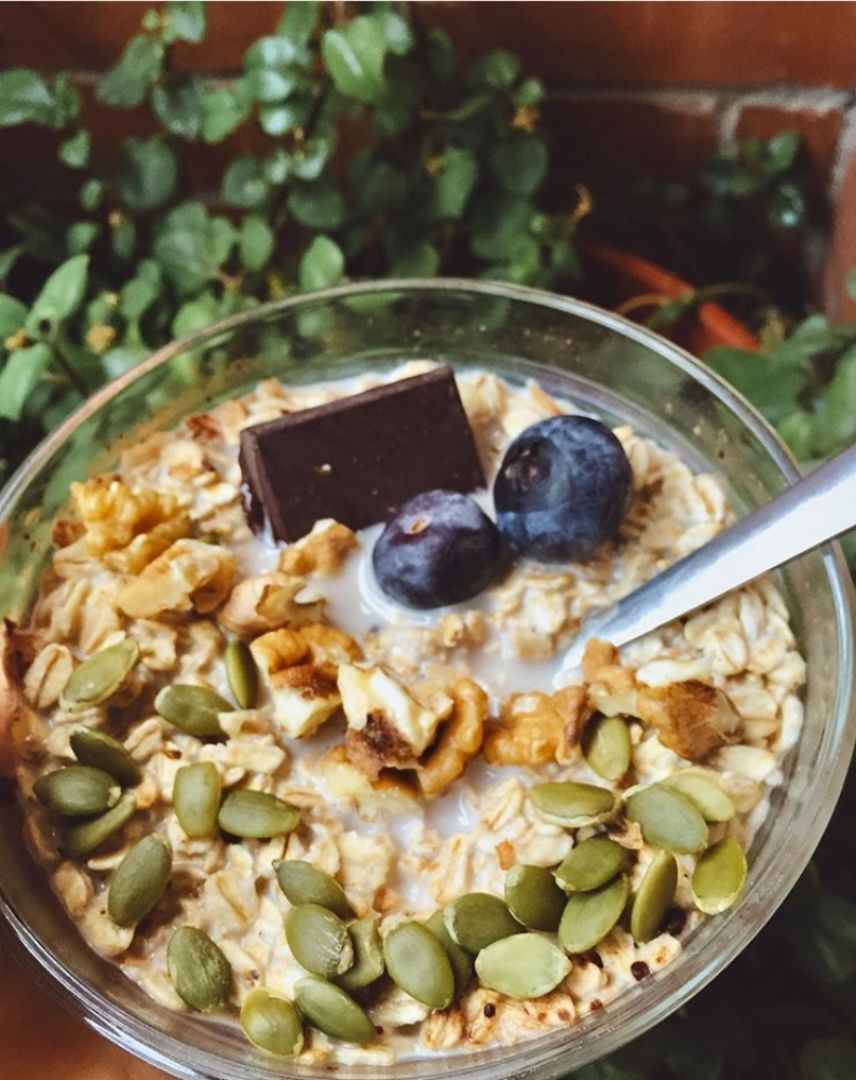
(817, 508)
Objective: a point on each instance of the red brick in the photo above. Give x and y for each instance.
(819, 127)
(842, 252)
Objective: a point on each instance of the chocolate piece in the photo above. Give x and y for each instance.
(357, 459)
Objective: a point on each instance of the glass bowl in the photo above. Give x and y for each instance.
(608, 366)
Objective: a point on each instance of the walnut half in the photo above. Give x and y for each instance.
(691, 718)
(459, 739)
(536, 728)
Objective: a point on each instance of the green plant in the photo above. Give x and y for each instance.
(447, 178)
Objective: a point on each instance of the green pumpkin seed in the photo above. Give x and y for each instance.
(332, 1011)
(523, 966)
(196, 797)
(719, 876)
(140, 879)
(668, 819)
(242, 673)
(198, 969)
(607, 747)
(81, 840)
(460, 959)
(591, 864)
(271, 1022)
(418, 963)
(319, 940)
(655, 894)
(304, 883)
(478, 919)
(102, 751)
(192, 709)
(702, 788)
(533, 897)
(588, 917)
(77, 791)
(368, 956)
(99, 677)
(256, 815)
(571, 804)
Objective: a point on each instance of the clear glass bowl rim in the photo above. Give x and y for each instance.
(658, 1000)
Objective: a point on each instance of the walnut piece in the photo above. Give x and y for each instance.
(189, 576)
(299, 667)
(267, 602)
(460, 737)
(321, 551)
(691, 718)
(612, 688)
(536, 728)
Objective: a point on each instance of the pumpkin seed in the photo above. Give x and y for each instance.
(271, 1022)
(607, 747)
(655, 894)
(702, 788)
(139, 881)
(192, 709)
(719, 876)
(332, 1011)
(256, 815)
(319, 940)
(588, 917)
(418, 963)
(668, 819)
(77, 791)
(99, 677)
(81, 840)
(460, 959)
(368, 956)
(102, 751)
(478, 919)
(198, 969)
(242, 673)
(591, 864)
(571, 804)
(533, 897)
(196, 797)
(523, 966)
(304, 883)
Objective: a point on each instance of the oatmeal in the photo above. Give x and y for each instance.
(265, 786)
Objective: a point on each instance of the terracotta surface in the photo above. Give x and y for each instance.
(40, 1040)
(842, 255)
(725, 42)
(820, 129)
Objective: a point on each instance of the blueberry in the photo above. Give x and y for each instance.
(439, 548)
(562, 489)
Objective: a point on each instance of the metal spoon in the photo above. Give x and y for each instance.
(816, 509)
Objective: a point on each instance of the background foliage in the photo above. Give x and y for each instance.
(444, 171)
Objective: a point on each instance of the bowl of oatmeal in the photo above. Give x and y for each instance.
(287, 795)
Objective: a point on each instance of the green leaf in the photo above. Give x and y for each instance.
(277, 166)
(148, 173)
(519, 164)
(191, 246)
(74, 152)
(278, 119)
(244, 184)
(454, 183)
(833, 1058)
(137, 297)
(20, 373)
(836, 427)
(90, 194)
(299, 21)
(530, 92)
(256, 242)
(8, 258)
(177, 103)
(270, 86)
(421, 260)
(495, 70)
(124, 239)
(396, 32)
(787, 208)
(13, 315)
(782, 150)
(61, 295)
(772, 388)
(440, 56)
(273, 51)
(318, 206)
(224, 109)
(380, 186)
(25, 98)
(195, 315)
(354, 58)
(81, 236)
(322, 264)
(497, 221)
(186, 20)
(309, 159)
(125, 85)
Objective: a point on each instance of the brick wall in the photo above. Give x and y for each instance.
(648, 87)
